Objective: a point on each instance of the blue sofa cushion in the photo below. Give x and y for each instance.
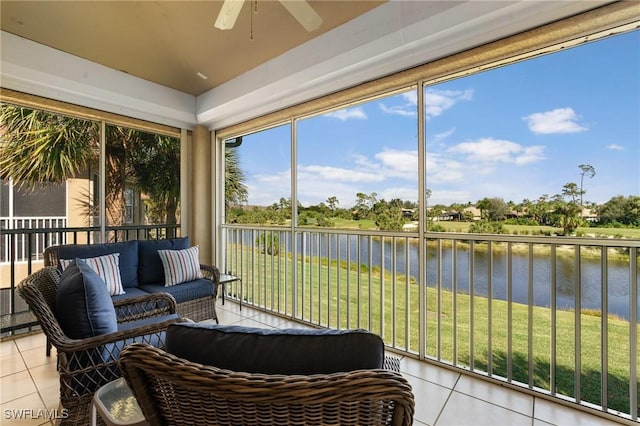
(150, 269)
(128, 257)
(129, 293)
(291, 351)
(83, 304)
(183, 292)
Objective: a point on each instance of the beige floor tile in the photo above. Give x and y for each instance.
(32, 341)
(45, 376)
(251, 323)
(537, 422)
(246, 311)
(25, 411)
(270, 320)
(438, 375)
(36, 357)
(430, 399)
(229, 318)
(560, 415)
(296, 325)
(462, 410)
(16, 386)
(50, 396)
(8, 347)
(496, 394)
(11, 364)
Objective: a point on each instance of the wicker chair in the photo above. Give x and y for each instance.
(174, 391)
(86, 364)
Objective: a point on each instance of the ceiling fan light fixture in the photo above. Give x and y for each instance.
(299, 9)
(228, 14)
(304, 13)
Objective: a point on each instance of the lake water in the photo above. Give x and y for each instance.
(382, 254)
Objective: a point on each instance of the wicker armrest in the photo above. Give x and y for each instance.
(146, 306)
(210, 272)
(66, 344)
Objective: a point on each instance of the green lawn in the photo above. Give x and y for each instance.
(331, 295)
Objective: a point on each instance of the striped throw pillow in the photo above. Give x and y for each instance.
(107, 267)
(180, 266)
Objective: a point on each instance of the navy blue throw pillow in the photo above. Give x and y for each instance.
(83, 304)
(290, 351)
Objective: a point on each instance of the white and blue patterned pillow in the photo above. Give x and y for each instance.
(107, 267)
(180, 266)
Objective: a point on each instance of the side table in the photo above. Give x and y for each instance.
(116, 405)
(228, 278)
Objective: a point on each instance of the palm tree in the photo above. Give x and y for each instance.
(588, 170)
(156, 165)
(39, 147)
(235, 190)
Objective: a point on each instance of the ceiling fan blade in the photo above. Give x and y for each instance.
(228, 14)
(303, 12)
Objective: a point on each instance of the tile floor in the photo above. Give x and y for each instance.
(29, 381)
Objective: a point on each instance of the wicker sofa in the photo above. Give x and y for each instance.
(142, 273)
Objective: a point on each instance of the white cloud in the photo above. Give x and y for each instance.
(560, 120)
(438, 101)
(409, 193)
(264, 189)
(441, 169)
(337, 174)
(364, 162)
(444, 135)
(531, 154)
(491, 150)
(402, 110)
(450, 196)
(401, 164)
(411, 97)
(435, 102)
(347, 114)
(615, 147)
(407, 109)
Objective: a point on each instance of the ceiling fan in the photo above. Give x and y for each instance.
(300, 9)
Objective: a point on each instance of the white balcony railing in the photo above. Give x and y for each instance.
(556, 316)
(25, 246)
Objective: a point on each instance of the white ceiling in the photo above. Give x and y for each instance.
(394, 36)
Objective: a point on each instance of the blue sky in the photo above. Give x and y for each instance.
(515, 132)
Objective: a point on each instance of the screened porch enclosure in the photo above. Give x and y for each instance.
(469, 194)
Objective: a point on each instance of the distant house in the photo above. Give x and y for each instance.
(474, 212)
(590, 215)
(408, 213)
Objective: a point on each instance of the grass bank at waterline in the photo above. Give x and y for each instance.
(458, 326)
